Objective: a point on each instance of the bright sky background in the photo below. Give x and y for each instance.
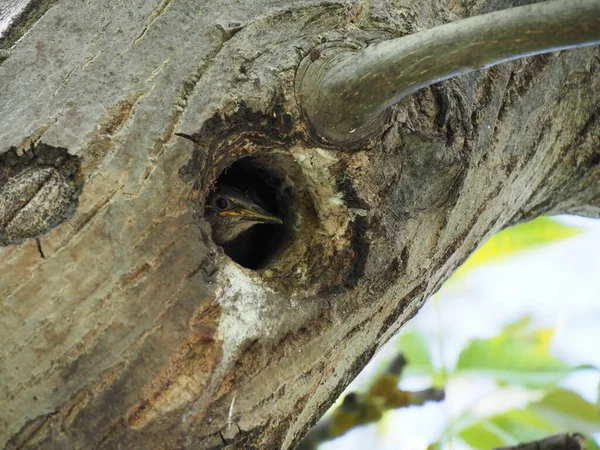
(558, 284)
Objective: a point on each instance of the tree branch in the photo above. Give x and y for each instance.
(362, 408)
(566, 441)
(344, 92)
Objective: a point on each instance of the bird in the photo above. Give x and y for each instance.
(231, 212)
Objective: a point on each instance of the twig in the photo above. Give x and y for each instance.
(361, 408)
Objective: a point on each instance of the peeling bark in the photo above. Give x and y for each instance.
(136, 331)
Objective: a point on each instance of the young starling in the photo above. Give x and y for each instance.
(231, 212)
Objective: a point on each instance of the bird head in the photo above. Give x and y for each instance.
(230, 212)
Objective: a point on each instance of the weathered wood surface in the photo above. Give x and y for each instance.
(136, 331)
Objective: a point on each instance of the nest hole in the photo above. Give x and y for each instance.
(260, 181)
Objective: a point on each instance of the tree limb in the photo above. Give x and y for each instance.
(362, 408)
(566, 441)
(343, 92)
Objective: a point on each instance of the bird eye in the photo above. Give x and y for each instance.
(221, 203)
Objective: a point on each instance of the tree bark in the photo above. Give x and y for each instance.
(345, 90)
(136, 331)
(567, 441)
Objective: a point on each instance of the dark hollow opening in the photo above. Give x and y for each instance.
(256, 247)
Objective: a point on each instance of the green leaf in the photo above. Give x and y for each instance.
(416, 351)
(484, 436)
(518, 327)
(519, 425)
(435, 446)
(523, 425)
(591, 444)
(540, 231)
(559, 411)
(516, 356)
(568, 411)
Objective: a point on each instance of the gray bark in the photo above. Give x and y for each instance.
(344, 90)
(136, 331)
(567, 441)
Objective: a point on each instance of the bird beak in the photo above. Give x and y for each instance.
(257, 215)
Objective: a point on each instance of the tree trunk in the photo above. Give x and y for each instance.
(117, 118)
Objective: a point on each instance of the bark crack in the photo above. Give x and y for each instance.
(87, 218)
(180, 103)
(156, 12)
